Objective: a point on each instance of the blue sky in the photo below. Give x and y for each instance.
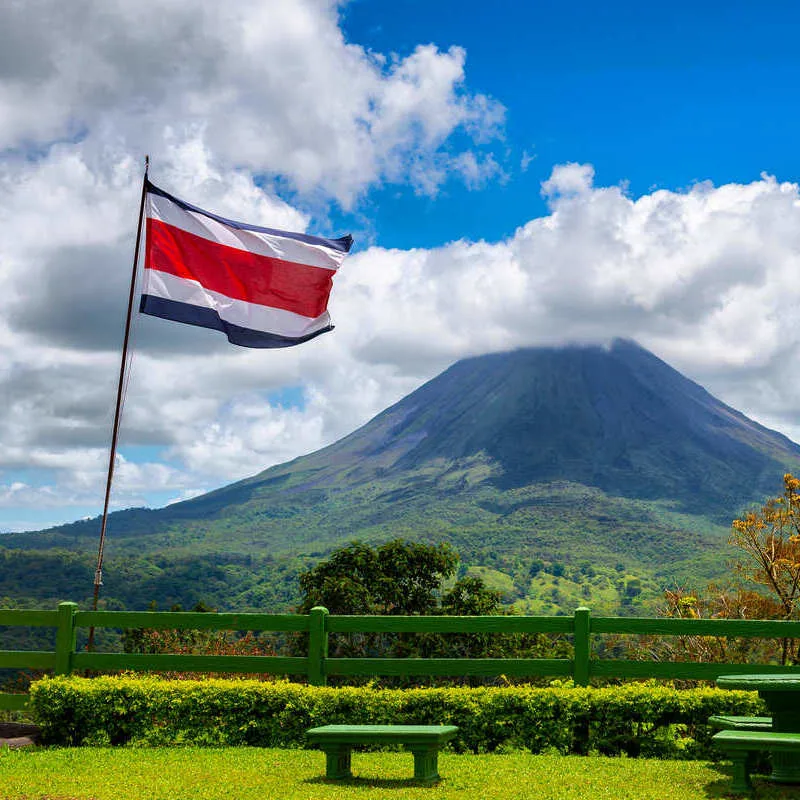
(515, 174)
(652, 94)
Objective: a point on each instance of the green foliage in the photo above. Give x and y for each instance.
(59, 570)
(633, 720)
(515, 539)
(406, 578)
(469, 597)
(398, 577)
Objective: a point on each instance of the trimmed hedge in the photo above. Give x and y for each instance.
(635, 719)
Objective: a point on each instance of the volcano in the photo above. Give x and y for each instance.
(615, 418)
(576, 453)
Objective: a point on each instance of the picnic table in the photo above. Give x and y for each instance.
(781, 694)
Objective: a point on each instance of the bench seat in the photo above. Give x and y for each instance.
(739, 744)
(424, 741)
(741, 723)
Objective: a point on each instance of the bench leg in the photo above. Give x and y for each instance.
(741, 773)
(426, 763)
(337, 762)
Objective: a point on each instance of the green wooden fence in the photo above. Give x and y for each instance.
(317, 666)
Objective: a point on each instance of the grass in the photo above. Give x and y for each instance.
(252, 773)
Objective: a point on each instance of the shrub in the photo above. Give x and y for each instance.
(634, 720)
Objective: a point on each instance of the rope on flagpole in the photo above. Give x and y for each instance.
(98, 573)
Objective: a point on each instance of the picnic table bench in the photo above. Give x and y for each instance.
(781, 695)
(424, 741)
(725, 723)
(738, 745)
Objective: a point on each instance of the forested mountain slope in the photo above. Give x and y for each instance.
(563, 473)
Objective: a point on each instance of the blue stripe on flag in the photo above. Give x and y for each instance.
(343, 244)
(208, 318)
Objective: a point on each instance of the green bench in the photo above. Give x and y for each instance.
(424, 741)
(739, 744)
(741, 723)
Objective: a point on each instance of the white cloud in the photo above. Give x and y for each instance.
(526, 160)
(477, 172)
(267, 86)
(568, 180)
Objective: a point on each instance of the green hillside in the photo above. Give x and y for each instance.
(574, 475)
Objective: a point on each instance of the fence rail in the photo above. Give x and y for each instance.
(317, 666)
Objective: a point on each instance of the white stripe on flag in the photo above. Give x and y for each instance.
(266, 244)
(237, 312)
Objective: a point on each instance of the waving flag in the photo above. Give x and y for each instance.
(261, 287)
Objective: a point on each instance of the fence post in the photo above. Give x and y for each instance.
(580, 671)
(317, 646)
(65, 638)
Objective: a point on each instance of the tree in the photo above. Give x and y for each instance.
(770, 542)
(407, 578)
(768, 572)
(398, 577)
(469, 597)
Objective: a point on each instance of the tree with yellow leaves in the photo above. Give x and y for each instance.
(770, 541)
(770, 538)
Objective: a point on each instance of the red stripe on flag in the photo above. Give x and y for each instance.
(238, 274)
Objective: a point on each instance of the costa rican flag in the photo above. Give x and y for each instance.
(260, 287)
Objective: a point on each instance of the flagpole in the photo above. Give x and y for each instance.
(98, 573)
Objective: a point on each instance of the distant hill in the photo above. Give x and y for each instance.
(591, 474)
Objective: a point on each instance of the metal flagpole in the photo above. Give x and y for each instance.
(98, 573)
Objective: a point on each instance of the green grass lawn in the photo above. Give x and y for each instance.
(244, 773)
